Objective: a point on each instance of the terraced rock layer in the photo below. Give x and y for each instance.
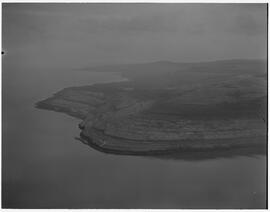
(192, 108)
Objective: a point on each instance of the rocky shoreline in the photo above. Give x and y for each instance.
(131, 118)
(236, 149)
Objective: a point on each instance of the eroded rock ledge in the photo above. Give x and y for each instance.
(133, 117)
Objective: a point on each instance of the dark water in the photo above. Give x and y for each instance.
(44, 166)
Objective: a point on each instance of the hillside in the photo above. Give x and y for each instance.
(167, 106)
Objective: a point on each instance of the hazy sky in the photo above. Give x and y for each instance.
(75, 35)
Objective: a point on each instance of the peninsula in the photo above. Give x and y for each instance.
(166, 107)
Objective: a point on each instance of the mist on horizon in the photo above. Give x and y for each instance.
(48, 35)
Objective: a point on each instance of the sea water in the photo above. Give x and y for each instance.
(45, 166)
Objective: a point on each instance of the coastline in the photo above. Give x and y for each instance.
(139, 117)
(118, 145)
(186, 154)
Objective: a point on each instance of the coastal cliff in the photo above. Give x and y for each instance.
(170, 107)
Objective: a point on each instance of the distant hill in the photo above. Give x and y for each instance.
(175, 66)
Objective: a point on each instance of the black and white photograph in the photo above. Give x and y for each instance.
(127, 105)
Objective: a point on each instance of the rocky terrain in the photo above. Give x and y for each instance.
(167, 107)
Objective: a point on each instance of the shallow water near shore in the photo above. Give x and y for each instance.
(44, 166)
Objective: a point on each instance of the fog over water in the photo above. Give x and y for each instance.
(44, 166)
(76, 35)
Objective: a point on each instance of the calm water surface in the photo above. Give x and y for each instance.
(44, 166)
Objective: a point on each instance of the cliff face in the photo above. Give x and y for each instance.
(182, 107)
